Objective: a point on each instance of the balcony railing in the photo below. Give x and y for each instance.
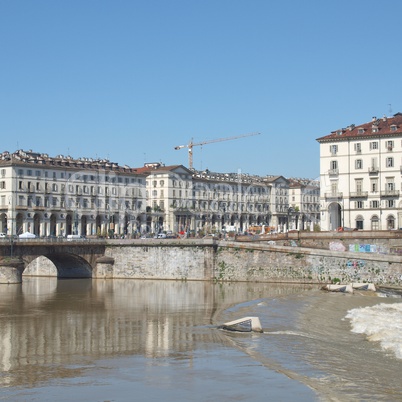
(373, 170)
(333, 195)
(359, 194)
(333, 172)
(390, 193)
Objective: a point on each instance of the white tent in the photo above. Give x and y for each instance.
(26, 235)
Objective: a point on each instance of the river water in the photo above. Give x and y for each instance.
(117, 340)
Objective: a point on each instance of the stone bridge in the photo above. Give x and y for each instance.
(72, 259)
(285, 260)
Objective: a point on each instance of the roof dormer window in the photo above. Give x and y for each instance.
(374, 129)
(360, 131)
(393, 127)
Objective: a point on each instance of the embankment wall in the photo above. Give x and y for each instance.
(256, 261)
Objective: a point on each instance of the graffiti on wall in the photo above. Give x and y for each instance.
(363, 248)
(395, 250)
(336, 246)
(355, 263)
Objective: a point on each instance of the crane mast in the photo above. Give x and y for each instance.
(192, 144)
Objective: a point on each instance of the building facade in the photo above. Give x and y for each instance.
(60, 196)
(360, 174)
(304, 198)
(182, 200)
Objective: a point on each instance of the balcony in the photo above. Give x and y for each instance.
(333, 196)
(358, 194)
(390, 193)
(374, 170)
(333, 172)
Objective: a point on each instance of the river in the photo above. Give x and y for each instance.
(124, 340)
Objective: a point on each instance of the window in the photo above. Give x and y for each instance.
(359, 222)
(373, 145)
(29, 172)
(390, 203)
(333, 149)
(389, 162)
(374, 185)
(389, 145)
(360, 131)
(3, 185)
(374, 204)
(358, 147)
(393, 127)
(390, 223)
(359, 185)
(20, 172)
(359, 204)
(359, 164)
(375, 223)
(389, 185)
(334, 165)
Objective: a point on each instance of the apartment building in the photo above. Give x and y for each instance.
(360, 174)
(58, 196)
(304, 198)
(183, 200)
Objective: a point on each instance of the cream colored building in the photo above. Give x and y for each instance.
(183, 200)
(304, 197)
(360, 173)
(59, 196)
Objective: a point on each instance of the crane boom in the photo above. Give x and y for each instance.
(192, 144)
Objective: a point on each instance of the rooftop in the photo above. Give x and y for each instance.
(386, 126)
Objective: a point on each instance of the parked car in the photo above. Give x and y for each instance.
(27, 235)
(72, 237)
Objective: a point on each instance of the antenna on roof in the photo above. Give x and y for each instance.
(390, 110)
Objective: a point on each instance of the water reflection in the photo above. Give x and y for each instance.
(47, 323)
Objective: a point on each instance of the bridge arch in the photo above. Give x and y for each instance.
(61, 265)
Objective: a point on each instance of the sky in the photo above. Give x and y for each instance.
(129, 80)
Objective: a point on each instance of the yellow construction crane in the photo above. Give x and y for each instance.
(192, 144)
